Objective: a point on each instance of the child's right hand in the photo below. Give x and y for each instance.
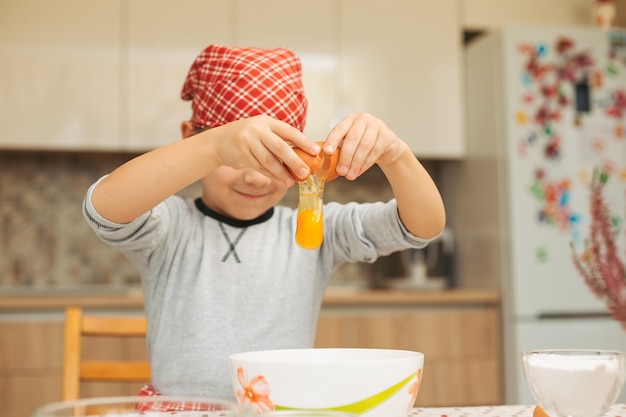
(265, 145)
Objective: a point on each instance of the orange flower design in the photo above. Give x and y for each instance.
(413, 389)
(254, 393)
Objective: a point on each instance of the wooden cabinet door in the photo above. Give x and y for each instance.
(401, 61)
(460, 346)
(60, 74)
(31, 364)
(163, 40)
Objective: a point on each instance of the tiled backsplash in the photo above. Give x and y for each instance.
(44, 240)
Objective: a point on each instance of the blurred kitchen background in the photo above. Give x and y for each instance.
(85, 86)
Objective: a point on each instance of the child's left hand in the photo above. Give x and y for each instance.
(365, 141)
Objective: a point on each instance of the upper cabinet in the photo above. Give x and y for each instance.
(484, 14)
(162, 40)
(60, 67)
(108, 75)
(400, 60)
(78, 75)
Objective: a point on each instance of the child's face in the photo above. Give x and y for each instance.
(241, 194)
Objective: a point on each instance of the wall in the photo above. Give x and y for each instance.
(44, 238)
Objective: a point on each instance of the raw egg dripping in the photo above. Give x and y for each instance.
(310, 222)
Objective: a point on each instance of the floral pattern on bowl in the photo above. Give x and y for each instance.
(254, 393)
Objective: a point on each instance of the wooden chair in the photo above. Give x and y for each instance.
(76, 369)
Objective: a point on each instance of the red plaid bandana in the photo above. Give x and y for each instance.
(226, 84)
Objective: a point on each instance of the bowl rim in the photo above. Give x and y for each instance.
(575, 352)
(251, 356)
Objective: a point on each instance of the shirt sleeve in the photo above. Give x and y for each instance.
(141, 233)
(363, 232)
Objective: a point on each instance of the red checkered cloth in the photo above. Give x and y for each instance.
(226, 84)
(171, 406)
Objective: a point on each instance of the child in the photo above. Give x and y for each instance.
(222, 274)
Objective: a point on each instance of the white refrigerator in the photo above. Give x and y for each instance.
(545, 107)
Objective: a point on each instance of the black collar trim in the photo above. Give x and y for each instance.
(229, 220)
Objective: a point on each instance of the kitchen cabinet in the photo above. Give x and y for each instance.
(60, 74)
(163, 39)
(371, 56)
(401, 61)
(485, 14)
(113, 72)
(31, 363)
(104, 76)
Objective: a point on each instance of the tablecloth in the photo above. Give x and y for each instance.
(617, 410)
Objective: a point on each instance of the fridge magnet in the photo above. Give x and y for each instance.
(556, 79)
(617, 47)
(600, 148)
(554, 196)
(612, 69)
(552, 150)
(595, 80)
(615, 105)
(584, 176)
(528, 98)
(541, 254)
(524, 143)
(609, 166)
(598, 145)
(522, 148)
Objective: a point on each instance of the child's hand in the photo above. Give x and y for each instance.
(265, 145)
(365, 141)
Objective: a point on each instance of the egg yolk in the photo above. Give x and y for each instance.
(309, 230)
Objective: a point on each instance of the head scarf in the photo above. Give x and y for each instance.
(226, 84)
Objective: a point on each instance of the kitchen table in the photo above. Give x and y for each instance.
(617, 410)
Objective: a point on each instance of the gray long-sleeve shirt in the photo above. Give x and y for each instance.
(214, 286)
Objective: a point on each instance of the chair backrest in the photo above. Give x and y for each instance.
(76, 369)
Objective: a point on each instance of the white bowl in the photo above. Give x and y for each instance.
(366, 382)
(574, 382)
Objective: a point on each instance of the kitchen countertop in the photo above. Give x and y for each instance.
(133, 299)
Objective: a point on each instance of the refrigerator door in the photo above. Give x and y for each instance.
(560, 85)
(583, 333)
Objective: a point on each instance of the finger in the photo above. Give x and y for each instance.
(337, 134)
(365, 151)
(287, 136)
(353, 150)
(371, 159)
(265, 162)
